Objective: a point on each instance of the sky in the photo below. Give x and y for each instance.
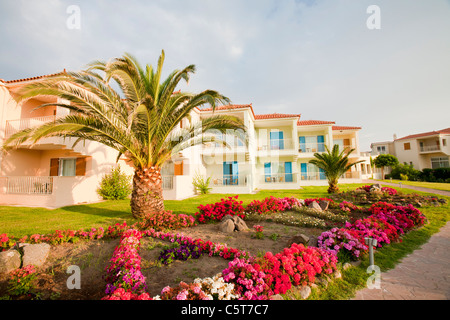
(319, 58)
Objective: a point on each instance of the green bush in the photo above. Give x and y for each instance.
(435, 175)
(201, 184)
(115, 185)
(405, 170)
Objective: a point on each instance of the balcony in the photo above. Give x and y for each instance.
(229, 180)
(29, 185)
(279, 178)
(311, 147)
(430, 148)
(13, 126)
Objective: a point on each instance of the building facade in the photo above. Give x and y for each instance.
(274, 155)
(423, 150)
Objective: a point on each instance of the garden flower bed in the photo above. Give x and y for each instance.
(148, 260)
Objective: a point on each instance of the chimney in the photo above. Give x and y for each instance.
(395, 136)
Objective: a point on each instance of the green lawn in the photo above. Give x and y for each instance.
(431, 185)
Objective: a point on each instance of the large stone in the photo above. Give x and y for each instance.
(9, 260)
(35, 254)
(276, 297)
(240, 224)
(314, 205)
(324, 204)
(304, 292)
(227, 217)
(227, 226)
(312, 241)
(300, 239)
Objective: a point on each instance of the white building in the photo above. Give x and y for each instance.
(51, 173)
(422, 150)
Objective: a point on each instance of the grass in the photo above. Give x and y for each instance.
(431, 185)
(19, 221)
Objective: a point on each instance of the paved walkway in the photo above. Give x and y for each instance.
(422, 275)
(423, 189)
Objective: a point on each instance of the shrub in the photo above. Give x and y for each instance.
(405, 170)
(115, 185)
(164, 220)
(210, 212)
(21, 280)
(184, 291)
(271, 205)
(201, 184)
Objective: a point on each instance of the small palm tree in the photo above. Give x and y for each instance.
(141, 122)
(334, 164)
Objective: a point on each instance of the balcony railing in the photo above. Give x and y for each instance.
(277, 144)
(311, 147)
(167, 182)
(13, 126)
(430, 148)
(229, 180)
(279, 178)
(29, 185)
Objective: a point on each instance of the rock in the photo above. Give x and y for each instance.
(337, 274)
(227, 226)
(324, 204)
(240, 225)
(304, 292)
(9, 260)
(35, 254)
(276, 297)
(301, 238)
(347, 265)
(227, 217)
(314, 205)
(312, 241)
(322, 281)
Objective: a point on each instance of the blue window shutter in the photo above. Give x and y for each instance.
(280, 141)
(226, 172)
(267, 172)
(302, 142)
(321, 143)
(288, 171)
(304, 171)
(235, 173)
(322, 174)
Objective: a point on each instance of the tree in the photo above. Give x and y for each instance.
(334, 164)
(141, 122)
(385, 160)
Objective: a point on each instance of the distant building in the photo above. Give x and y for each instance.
(422, 150)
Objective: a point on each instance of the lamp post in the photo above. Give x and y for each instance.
(371, 243)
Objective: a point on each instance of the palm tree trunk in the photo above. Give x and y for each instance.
(147, 195)
(333, 186)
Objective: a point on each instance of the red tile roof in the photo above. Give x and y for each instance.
(345, 128)
(229, 107)
(32, 78)
(275, 116)
(418, 135)
(313, 122)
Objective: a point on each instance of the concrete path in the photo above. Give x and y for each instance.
(440, 192)
(422, 275)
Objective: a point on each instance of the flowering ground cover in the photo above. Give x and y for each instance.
(135, 257)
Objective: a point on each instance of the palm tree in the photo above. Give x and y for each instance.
(142, 124)
(334, 164)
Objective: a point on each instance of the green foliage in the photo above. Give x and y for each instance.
(334, 164)
(405, 170)
(435, 175)
(115, 185)
(385, 160)
(201, 184)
